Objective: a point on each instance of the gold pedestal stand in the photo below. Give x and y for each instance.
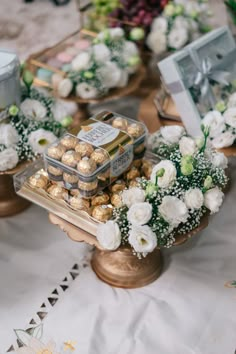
(10, 202)
(121, 268)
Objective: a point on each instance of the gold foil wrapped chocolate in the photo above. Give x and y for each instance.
(70, 178)
(147, 168)
(100, 199)
(134, 182)
(139, 149)
(86, 166)
(54, 172)
(71, 158)
(120, 123)
(99, 156)
(135, 130)
(102, 212)
(89, 188)
(116, 200)
(79, 203)
(132, 173)
(38, 181)
(137, 163)
(69, 142)
(84, 149)
(56, 151)
(58, 192)
(118, 186)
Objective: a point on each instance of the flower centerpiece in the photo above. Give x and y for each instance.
(183, 187)
(27, 129)
(106, 64)
(180, 23)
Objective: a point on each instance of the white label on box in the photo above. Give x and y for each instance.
(98, 134)
(122, 161)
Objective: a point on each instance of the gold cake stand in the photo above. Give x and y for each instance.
(10, 202)
(121, 268)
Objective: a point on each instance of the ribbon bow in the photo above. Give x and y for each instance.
(206, 72)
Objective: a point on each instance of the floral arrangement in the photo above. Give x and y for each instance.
(181, 22)
(222, 123)
(231, 6)
(26, 130)
(107, 64)
(182, 189)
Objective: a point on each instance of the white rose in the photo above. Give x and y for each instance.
(181, 22)
(61, 109)
(129, 50)
(169, 175)
(116, 33)
(124, 78)
(193, 198)
(110, 74)
(172, 134)
(8, 159)
(40, 139)
(133, 195)
(86, 91)
(155, 140)
(142, 239)
(219, 160)
(109, 235)
(65, 87)
(33, 109)
(213, 199)
(215, 121)
(187, 146)
(223, 140)
(101, 53)
(81, 62)
(173, 210)
(177, 38)
(139, 214)
(232, 101)
(230, 117)
(8, 135)
(159, 24)
(192, 7)
(157, 42)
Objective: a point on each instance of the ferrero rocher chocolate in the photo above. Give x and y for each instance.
(139, 149)
(103, 176)
(84, 149)
(118, 186)
(100, 156)
(74, 192)
(69, 142)
(137, 163)
(71, 158)
(56, 151)
(38, 181)
(147, 168)
(135, 130)
(116, 200)
(70, 178)
(100, 199)
(102, 212)
(58, 192)
(88, 186)
(132, 173)
(134, 182)
(120, 123)
(79, 203)
(54, 172)
(86, 166)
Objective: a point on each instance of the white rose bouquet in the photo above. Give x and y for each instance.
(181, 22)
(26, 130)
(107, 64)
(182, 189)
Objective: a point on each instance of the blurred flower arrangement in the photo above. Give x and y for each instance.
(26, 130)
(183, 187)
(180, 23)
(107, 64)
(231, 6)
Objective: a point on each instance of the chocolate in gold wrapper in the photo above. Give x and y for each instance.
(86, 166)
(118, 186)
(79, 203)
(88, 189)
(71, 158)
(120, 123)
(134, 182)
(116, 200)
(137, 163)
(132, 173)
(56, 151)
(38, 181)
(58, 192)
(135, 130)
(100, 156)
(147, 168)
(70, 178)
(102, 212)
(100, 199)
(84, 149)
(69, 142)
(139, 149)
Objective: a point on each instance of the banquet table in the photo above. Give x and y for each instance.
(46, 279)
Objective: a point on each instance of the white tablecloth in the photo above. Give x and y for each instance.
(188, 310)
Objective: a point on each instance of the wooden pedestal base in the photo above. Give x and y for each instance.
(10, 202)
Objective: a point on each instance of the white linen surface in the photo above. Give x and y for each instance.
(188, 310)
